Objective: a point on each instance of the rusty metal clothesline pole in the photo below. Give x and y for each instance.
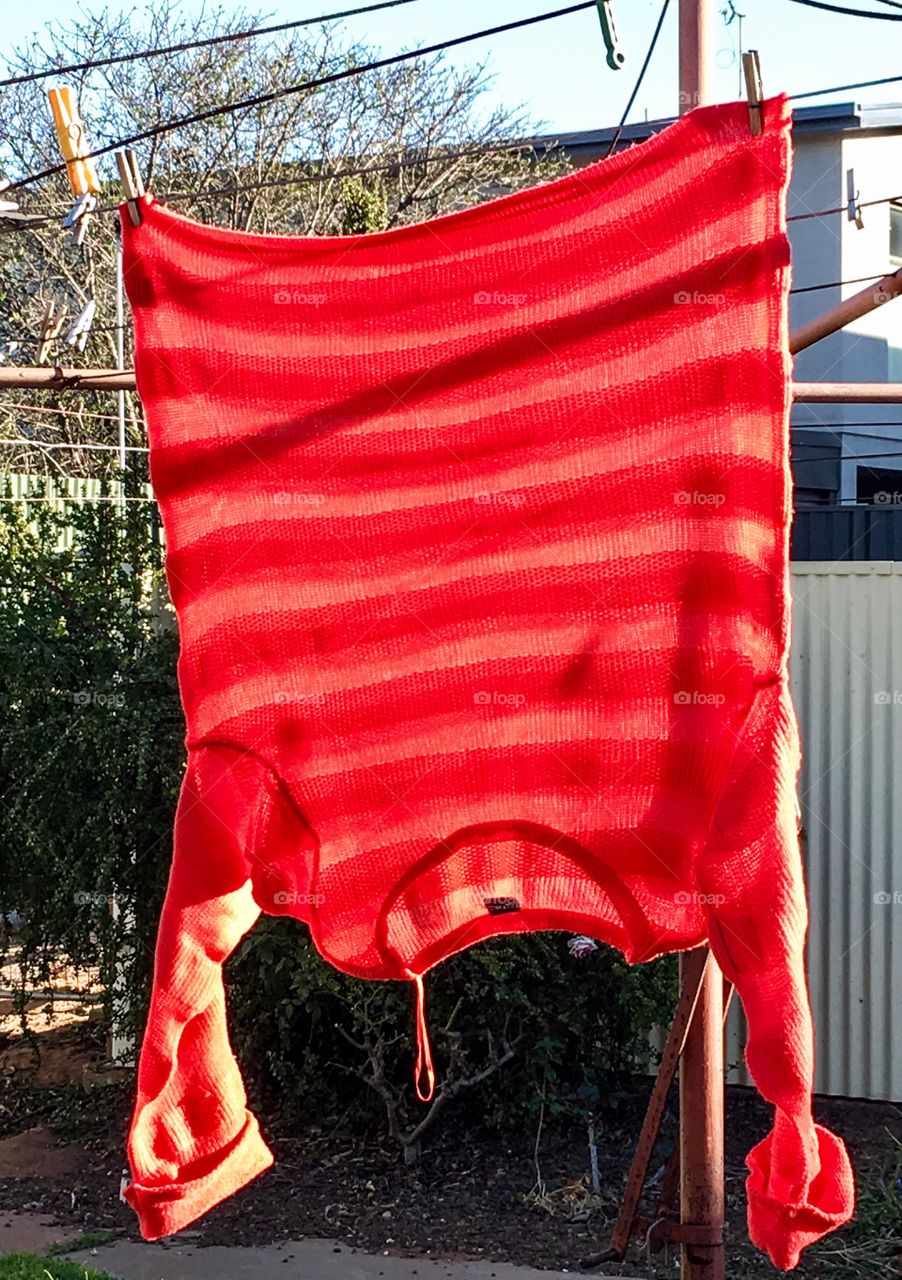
(701, 1231)
(860, 304)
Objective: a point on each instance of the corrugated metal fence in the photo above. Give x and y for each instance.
(846, 665)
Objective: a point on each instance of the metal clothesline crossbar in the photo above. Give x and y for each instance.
(63, 378)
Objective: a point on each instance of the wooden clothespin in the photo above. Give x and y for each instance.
(854, 208)
(754, 89)
(615, 55)
(73, 143)
(132, 183)
(51, 328)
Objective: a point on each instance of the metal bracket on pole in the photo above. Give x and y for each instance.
(615, 55)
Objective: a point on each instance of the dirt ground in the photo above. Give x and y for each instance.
(473, 1195)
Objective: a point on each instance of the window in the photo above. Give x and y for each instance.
(895, 232)
(881, 486)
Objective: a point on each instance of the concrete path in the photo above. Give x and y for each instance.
(180, 1259)
(307, 1259)
(31, 1233)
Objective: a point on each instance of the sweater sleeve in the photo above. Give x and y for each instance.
(192, 1140)
(800, 1183)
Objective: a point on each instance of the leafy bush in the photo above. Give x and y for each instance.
(91, 752)
(516, 1023)
(90, 765)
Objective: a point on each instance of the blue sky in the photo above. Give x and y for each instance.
(557, 70)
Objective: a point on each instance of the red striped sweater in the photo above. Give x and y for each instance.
(477, 536)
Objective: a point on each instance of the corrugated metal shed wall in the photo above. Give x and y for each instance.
(846, 664)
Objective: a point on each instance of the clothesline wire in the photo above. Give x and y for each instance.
(70, 497)
(796, 426)
(843, 88)
(843, 208)
(839, 284)
(54, 410)
(849, 457)
(356, 171)
(25, 443)
(205, 43)
(277, 95)
(511, 145)
(117, 499)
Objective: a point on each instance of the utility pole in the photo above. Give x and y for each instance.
(695, 61)
(701, 1064)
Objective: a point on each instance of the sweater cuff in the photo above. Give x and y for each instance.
(784, 1225)
(165, 1208)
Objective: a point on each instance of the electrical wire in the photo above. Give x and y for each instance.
(641, 76)
(278, 94)
(208, 42)
(853, 13)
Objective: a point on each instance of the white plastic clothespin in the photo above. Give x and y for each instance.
(6, 206)
(79, 329)
(754, 90)
(132, 184)
(51, 328)
(854, 207)
(79, 216)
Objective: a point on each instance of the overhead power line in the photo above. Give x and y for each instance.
(333, 78)
(852, 13)
(208, 42)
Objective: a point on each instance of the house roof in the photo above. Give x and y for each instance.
(832, 117)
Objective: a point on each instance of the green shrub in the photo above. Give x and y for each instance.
(91, 751)
(308, 1034)
(90, 765)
